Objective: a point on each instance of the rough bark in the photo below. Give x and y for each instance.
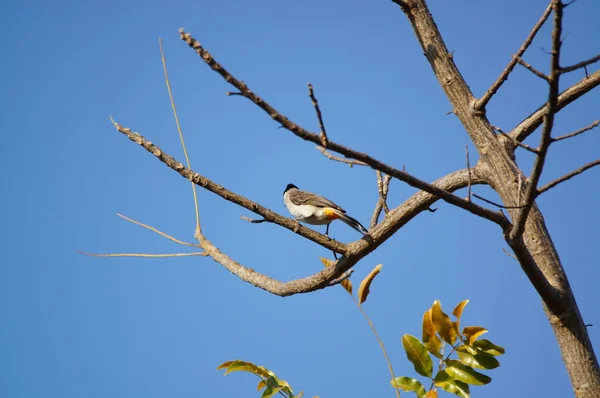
(536, 252)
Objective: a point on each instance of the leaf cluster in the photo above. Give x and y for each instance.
(453, 375)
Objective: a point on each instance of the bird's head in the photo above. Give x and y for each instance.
(289, 186)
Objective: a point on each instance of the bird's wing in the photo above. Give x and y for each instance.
(306, 198)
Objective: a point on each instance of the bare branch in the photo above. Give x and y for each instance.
(146, 255)
(496, 204)
(315, 103)
(383, 184)
(350, 162)
(576, 133)
(230, 196)
(157, 231)
(566, 177)
(397, 218)
(481, 103)
(342, 278)
(533, 70)
(546, 139)
(469, 170)
(514, 141)
(526, 127)
(253, 221)
(180, 132)
(580, 65)
(493, 216)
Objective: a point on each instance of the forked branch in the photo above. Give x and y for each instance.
(482, 102)
(551, 109)
(568, 176)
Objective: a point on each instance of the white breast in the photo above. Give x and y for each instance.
(308, 214)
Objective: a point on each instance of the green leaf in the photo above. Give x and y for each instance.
(447, 383)
(273, 388)
(468, 349)
(442, 323)
(488, 347)
(417, 354)
(431, 341)
(409, 384)
(478, 361)
(466, 374)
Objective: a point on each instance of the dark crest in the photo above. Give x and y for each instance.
(289, 186)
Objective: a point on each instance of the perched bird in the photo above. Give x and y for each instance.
(316, 210)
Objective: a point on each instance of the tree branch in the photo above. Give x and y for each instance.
(576, 133)
(496, 217)
(383, 185)
(349, 162)
(315, 103)
(533, 70)
(419, 202)
(483, 101)
(580, 65)
(230, 196)
(546, 139)
(527, 126)
(566, 177)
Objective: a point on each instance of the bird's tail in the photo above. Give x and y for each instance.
(351, 222)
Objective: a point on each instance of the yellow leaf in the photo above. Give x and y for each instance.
(431, 394)
(473, 332)
(261, 384)
(430, 339)
(327, 262)
(442, 323)
(224, 365)
(346, 284)
(458, 310)
(363, 289)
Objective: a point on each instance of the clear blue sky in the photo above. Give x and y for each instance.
(75, 326)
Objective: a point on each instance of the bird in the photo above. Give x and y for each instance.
(316, 210)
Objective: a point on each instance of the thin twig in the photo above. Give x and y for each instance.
(481, 103)
(528, 125)
(253, 221)
(204, 254)
(379, 340)
(300, 132)
(469, 170)
(533, 70)
(517, 143)
(580, 65)
(350, 162)
(496, 204)
(157, 231)
(576, 133)
(383, 184)
(566, 177)
(187, 158)
(315, 103)
(342, 278)
(546, 139)
(509, 254)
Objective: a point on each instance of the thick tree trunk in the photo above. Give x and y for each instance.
(536, 252)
